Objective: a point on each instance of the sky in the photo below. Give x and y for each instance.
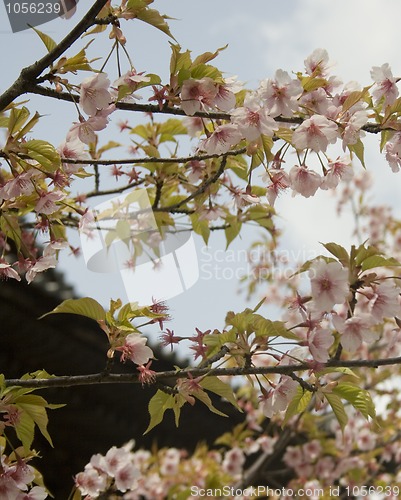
(262, 36)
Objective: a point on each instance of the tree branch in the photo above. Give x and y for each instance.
(121, 378)
(27, 77)
(372, 128)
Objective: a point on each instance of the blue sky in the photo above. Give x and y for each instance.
(262, 35)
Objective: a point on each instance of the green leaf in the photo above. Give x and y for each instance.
(266, 328)
(35, 407)
(285, 134)
(158, 405)
(214, 384)
(17, 119)
(339, 252)
(200, 227)
(83, 307)
(359, 398)
(359, 150)
(208, 56)
(298, 404)
(25, 430)
(379, 261)
(44, 153)
(202, 396)
(354, 97)
(154, 18)
(179, 60)
(233, 230)
(338, 408)
(311, 83)
(49, 42)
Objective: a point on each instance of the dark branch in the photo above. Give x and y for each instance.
(27, 77)
(118, 378)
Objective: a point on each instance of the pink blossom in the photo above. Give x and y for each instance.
(85, 130)
(221, 140)
(6, 271)
(278, 398)
(317, 101)
(197, 95)
(315, 133)
(353, 125)
(42, 264)
(365, 439)
(383, 301)
(211, 213)
(135, 350)
(278, 181)
(393, 152)
(317, 64)
(354, 331)
(329, 283)
(22, 185)
(94, 93)
(304, 180)
(233, 461)
(225, 99)
(197, 170)
(252, 120)
(339, 170)
(244, 198)
(36, 493)
(194, 125)
(47, 202)
(319, 342)
(281, 94)
(72, 149)
(385, 84)
(126, 477)
(131, 79)
(90, 481)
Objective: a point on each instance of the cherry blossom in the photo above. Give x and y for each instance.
(317, 63)
(384, 301)
(354, 331)
(253, 120)
(6, 271)
(90, 481)
(225, 99)
(278, 398)
(135, 350)
(304, 181)
(280, 95)
(94, 93)
(319, 342)
(278, 181)
(221, 140)
(329, 283)
(84, 130)
(197, 95)
(385, 84)
(315, 133)
(73, 149)
(22, 185)
(393, 152)
(339, 170)
(211, 213)
(42, 264)
(47, 203)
